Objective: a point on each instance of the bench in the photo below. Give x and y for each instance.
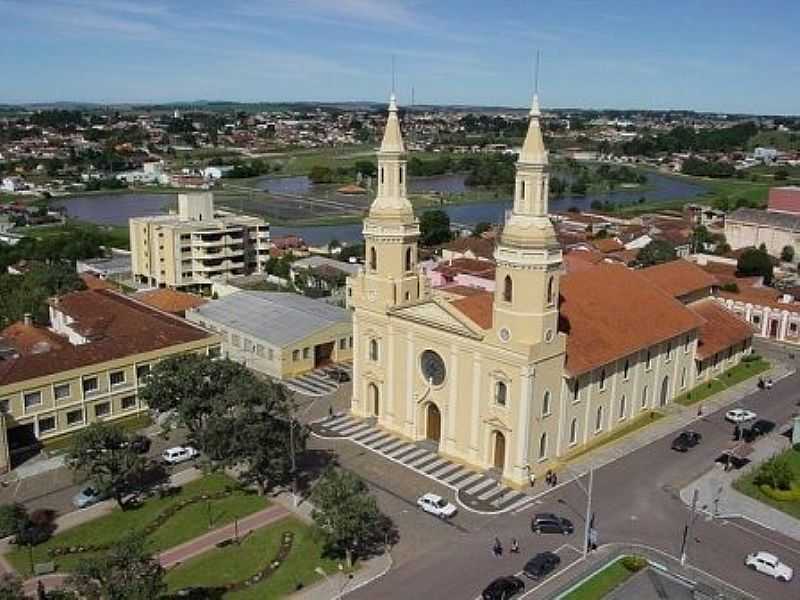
(44, 568)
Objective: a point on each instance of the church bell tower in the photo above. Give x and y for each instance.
(528, 254)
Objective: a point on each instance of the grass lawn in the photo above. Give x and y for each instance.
(236, 563)
(643, 420)
(746, 486)
(186, 524)
(600, 584)
(734, 375)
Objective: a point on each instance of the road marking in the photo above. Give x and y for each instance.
(507, 497)
(479, 486)
(426, 456)
(412, 455)
(763, 537)
(459, 472)
(351, 430)
(393, 446)
(348, 422)
(498, 489)
(445, 469)
(330, 422)
(434, 466)
(519, 504)
(375, 435)
(469, 481)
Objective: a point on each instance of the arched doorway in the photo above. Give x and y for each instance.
(433, 429)
(664, 391)
(499, 456)
(374, 399)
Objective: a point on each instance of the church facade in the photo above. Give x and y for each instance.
(515, 379)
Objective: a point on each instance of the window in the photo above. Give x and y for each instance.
(644, 397)
(573, 432)
(89, 385)
(32, 399)
(47, 424)
(381, 175)
(343, 344)
(576, 389)
(598, 423)
(102, 409)
(5, 405)
(142, 371)
(550, 290)
(625, 369)
(500, 393)
(260, 350)
(669, 351)
(508, 288)
(793, 328)
(373, 349)
(214, 351)
(686, 345)
(74, 417)
(373, 259)
(756, 319)
(270, 354)
(543, 446)
(116, 378)
(546, 403)
(649, 361)
(700, 367)
(61, 391)
(128, 402)
(401, 175)
(683, 377)
(522, 189)
(622, 407)
(306, 353)
(248, 345)
(236, 341)
(602, 383)
(295, 355)
(408, 259)
(350, 341)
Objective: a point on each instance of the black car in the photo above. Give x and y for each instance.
(541, 565)
(140, 444)
(339, 375)
(550, 523)
(761, 427)
(686, 440)
(503, 588)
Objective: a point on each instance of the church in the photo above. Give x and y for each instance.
(514, 380)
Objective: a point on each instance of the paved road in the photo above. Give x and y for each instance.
(636, 501)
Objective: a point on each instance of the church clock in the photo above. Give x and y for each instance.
(432, 366)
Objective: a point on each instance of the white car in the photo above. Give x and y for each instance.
(178, 454)
(739, 415)
(769, 564)
(436, 505)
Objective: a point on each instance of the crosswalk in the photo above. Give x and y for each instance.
(317, 382)
(476, 490)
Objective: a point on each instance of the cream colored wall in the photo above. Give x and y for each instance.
(742, 235)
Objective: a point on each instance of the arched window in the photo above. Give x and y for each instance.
(543, 446)
(373, 349)
(408, 259)
(546, 403)
(401, 175)
(576, 389)
(622, 406)
(644, 397)
(373, 259)
(573, 431)
(683, 377)
(550, 290)
(522, 189)
(381, 175)
(625, 370)
(500, 393)
(508, 289)
(598, 423)
(602, 379)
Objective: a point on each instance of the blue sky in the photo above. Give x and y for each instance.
(715, 55)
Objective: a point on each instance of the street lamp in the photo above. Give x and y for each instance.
(589, 518)
(291, 454)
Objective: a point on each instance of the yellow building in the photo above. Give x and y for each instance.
(196, 246)
(515, 379)
(88, 366)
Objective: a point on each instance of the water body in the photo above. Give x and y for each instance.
(116, 209)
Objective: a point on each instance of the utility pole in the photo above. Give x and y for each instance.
(587, 530)
(687, 529)
(291, 454)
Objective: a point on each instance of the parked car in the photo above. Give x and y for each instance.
(436, 505)
(740, 415)
(686, 440)
(503, 588)
(339, 375)
(769, 564)
(550, 523)
(178, 454)
(541, 565)
(141, 444)
(762, 427)
(87, 497)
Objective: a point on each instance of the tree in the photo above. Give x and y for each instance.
(787, 254)
(480, 228)
(367, 168)
(656, 252)
(11, 516)
(125, 572)
(754, 262)
(347, 515)
(776, 473)
(11, 587)
(320, 174)
(434, 228)
(104, 454)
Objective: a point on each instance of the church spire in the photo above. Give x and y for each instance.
(533, 150)
(391, 201)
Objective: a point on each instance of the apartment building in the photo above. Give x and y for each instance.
(88, 366)
(196, 246)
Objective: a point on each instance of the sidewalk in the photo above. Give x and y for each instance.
(717, 497)
(337, 584)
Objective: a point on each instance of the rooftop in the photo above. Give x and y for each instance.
(171, 301)
(477, 245)
(679, 277)
(276, 317)
(721, 328)
(763, 217)
(315, 262)
(467, 266)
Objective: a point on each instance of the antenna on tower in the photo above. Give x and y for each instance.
(393, 82)
(536, 74)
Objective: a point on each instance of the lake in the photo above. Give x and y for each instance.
(116, 209)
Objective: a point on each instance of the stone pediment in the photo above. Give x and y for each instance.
(434, 313)
(495, 422)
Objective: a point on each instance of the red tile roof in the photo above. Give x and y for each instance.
(679, 277)
(611, 311)
(467, 266)
(95, 283)
(118, 327)
(30, 339)
(478, 308)
(171, 301)
(606, 245)
(461, 290)
(477, 245)
(721, 329)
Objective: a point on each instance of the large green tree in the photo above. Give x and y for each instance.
(125, 572)
(11, 587)
(755, 262)
(348, 516)
(103, 454)
(434, 226)
(656, 252)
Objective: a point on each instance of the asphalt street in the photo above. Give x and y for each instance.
(635, 501)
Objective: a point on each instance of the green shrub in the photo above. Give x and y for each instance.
(796, 447)
(776, 473)
(792, 495)
(634, 563)
(752, 357)
(11, 516)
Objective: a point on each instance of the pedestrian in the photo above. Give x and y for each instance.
(737, 433)
(532, 478)
(555, 480)
(498, 547)
(40, 593)
(548, 477)
(330, 411)
(514, 546)
(700, 410)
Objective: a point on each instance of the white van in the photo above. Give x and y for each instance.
(178, 454)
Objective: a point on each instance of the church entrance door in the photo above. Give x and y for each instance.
(374, 398)
(433, 431)
(499, 451)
